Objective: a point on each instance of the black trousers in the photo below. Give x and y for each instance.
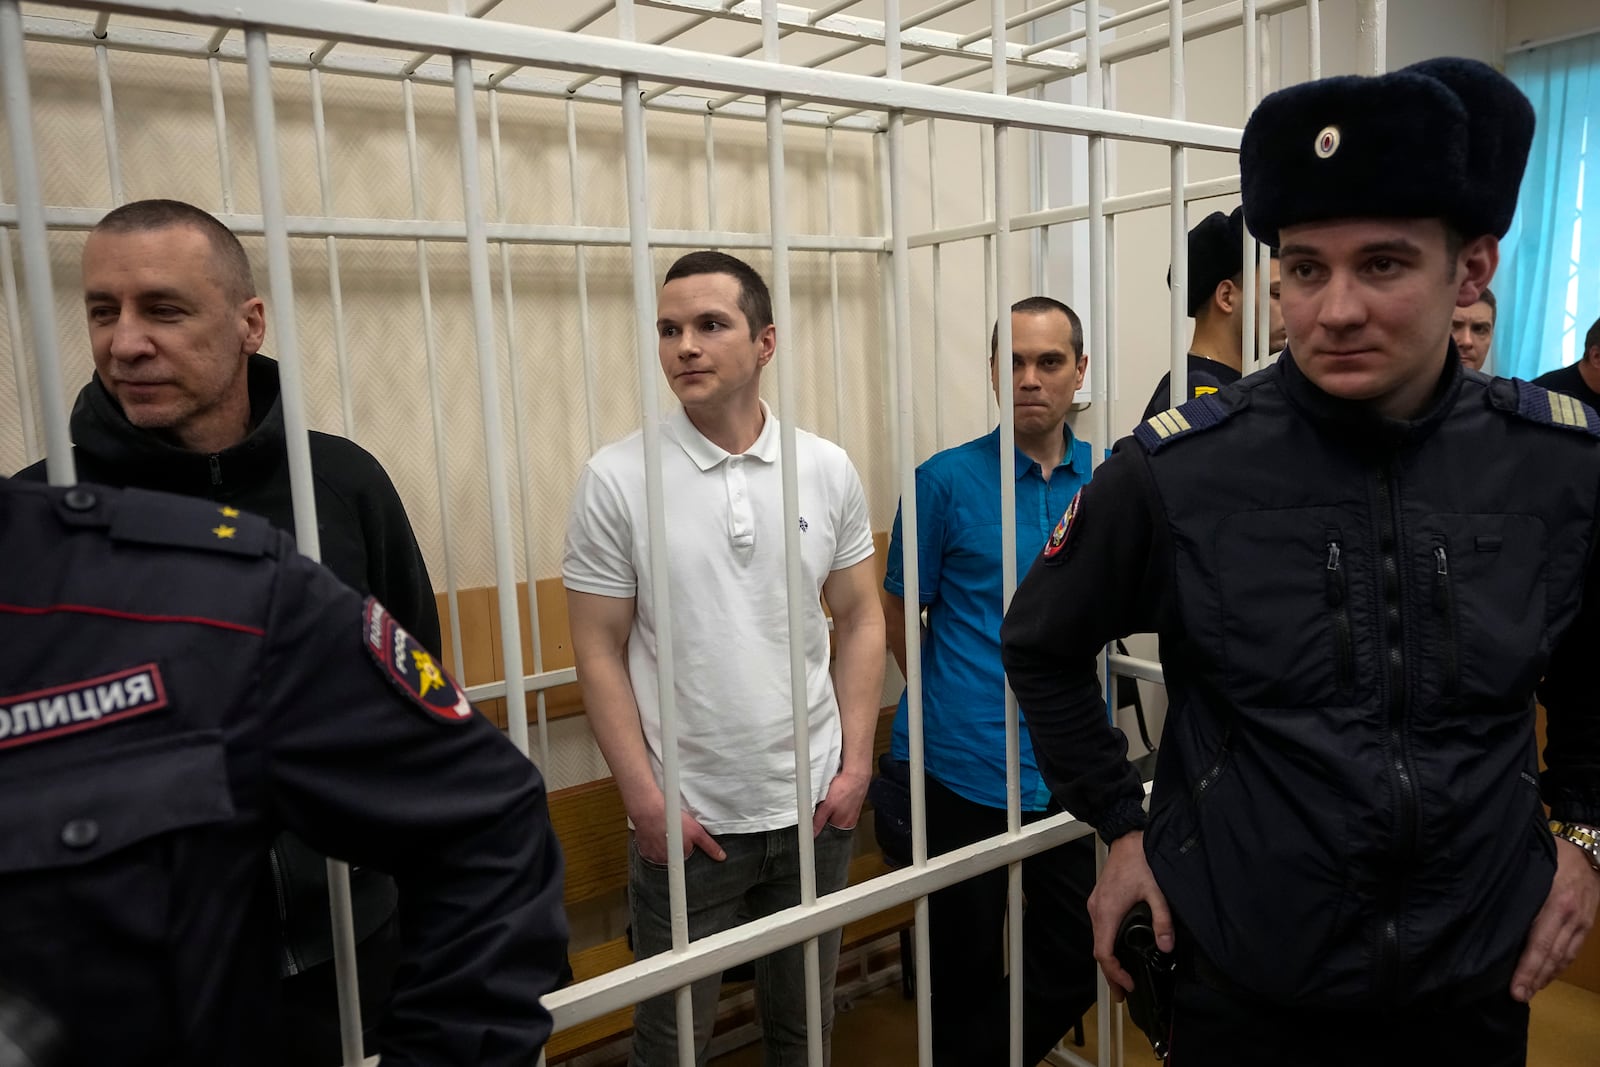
(1211, 1028)
(970, 992)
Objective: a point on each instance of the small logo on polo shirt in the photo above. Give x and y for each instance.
(804, 526)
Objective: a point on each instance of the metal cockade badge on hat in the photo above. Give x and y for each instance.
(1327, 142)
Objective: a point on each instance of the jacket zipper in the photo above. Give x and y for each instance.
(1337, 600)
(216, 469)
(1399, 764)
(1444, 600)
(1206, 781)
(290, 964)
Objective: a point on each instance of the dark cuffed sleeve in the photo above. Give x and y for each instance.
(438, 799)
(1571, 782)
(1105, 582)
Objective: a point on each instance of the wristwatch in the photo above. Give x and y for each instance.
(1585, 837)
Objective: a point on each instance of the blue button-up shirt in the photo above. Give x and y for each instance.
(958, 558)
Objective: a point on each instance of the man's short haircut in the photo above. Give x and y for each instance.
(755, 301)
(143, 215)
(1209, 305)
(1592, 338)
(1041, 305)
(1487, 297)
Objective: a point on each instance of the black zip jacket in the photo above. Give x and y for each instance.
(366, 541)
(182, 686)
(1353, 614)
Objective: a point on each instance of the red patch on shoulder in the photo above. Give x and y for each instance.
(1063, 530)
(412, 668)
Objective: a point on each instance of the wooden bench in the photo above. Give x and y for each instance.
(592, 826)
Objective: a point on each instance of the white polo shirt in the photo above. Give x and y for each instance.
(725, 540)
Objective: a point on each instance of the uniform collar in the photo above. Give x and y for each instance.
(1023, 463)
(1358, 419)
(706, 454)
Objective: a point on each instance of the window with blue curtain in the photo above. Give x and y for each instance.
(1548, 286)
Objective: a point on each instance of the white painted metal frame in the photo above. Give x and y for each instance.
(285, 326)
(466, 40)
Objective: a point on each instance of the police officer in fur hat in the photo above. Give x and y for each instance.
(1221, 309)
(1345, 844)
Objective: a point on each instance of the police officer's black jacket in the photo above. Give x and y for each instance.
(1205, 376)
(364, 537)
(1353, 615)
(164, 712)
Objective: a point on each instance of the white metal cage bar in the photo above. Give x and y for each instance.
(1249, 358)
(794, 580)
(21, 374)
(489, 386)
(219, 115)
(297, 440)
(903, 390)
(35, 246)
(1178, 384)
(441, 454)
(521, 433)
(108, 113)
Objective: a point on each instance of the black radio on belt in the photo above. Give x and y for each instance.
(1153, 972)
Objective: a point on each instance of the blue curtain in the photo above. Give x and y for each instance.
(1548, 286)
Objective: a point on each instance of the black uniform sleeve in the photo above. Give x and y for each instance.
(440, 800)
(34, 472)
(1160, 400)
(1571, 782)
(1106, 581)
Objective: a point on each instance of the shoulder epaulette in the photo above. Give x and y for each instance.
(1201, 413)
(147, 518)
(1538, 404)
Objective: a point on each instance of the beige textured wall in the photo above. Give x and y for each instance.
(168, 148)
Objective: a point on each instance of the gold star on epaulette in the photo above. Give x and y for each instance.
(228, 513)
(224, 532)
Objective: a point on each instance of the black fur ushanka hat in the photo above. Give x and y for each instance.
(1445, 138)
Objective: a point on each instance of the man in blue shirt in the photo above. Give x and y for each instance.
(963, 706)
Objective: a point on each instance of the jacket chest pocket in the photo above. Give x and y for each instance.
(1484, 602)
(1292, 603)
(84, 847)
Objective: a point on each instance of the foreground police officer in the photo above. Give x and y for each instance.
(178, 686)
(1354, 609)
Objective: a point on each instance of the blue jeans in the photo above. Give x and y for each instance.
(760, 876)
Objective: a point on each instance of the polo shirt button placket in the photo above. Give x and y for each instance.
(741, 522)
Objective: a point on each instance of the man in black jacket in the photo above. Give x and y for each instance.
(183, 402)
(1346, 845)
(181, 685)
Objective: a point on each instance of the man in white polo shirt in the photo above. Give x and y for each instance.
(721, 469)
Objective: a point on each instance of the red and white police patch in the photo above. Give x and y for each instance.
(1063, 530)
(77, 706)
(412, 668)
